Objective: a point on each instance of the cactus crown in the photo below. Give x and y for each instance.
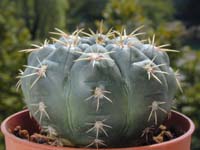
(99, 89)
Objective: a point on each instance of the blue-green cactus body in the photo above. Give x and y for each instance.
(99, 93)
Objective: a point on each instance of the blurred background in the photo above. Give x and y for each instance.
(177, 22)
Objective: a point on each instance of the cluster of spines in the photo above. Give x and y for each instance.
(98, 93)
(98, 126)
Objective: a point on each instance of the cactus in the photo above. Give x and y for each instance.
(98, 89)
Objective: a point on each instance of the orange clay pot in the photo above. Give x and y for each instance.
(22, 118)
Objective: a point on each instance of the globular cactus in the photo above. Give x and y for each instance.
(98, 90)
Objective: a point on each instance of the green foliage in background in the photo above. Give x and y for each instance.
(83, 13)
(13, 36)
(136, 13)
(124, 12)
(42, 16)
(25, 21)
(157, 18)
(189, 101)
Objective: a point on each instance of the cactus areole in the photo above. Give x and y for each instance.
(98, 89)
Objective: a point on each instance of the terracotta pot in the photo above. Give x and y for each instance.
(22, 118)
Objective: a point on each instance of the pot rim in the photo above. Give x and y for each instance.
(178, 139)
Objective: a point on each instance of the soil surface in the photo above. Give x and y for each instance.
(155, 135)
(151, 135)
